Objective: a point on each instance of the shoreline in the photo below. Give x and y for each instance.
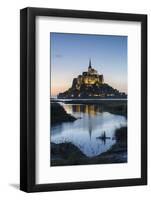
(59, 115)
(118, 107)
(87, 100)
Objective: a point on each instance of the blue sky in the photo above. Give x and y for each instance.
(70, 54)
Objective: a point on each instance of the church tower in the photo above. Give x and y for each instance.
(89, 64)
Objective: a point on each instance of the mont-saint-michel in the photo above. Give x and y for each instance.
(91, 85)
(88, 104)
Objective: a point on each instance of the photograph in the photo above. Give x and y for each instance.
(83, 99)
(88, 99)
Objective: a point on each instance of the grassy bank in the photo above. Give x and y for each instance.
(58, 114)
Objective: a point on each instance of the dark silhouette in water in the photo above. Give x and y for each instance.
(103, 137)
(68, 154)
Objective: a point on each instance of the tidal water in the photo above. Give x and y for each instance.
(84, 132)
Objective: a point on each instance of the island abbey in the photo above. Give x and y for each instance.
(91, 85)
(91, 77)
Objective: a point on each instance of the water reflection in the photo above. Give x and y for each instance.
(86, 132)
(91, 110)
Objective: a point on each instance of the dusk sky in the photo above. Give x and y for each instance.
(70, 54)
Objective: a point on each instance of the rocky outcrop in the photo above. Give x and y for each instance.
(92, 91)
(59, 114)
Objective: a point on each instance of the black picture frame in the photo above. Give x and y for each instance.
(28, 98)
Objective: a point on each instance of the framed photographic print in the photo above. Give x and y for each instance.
(83, 98)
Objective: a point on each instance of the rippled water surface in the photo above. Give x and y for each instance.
(92, 122)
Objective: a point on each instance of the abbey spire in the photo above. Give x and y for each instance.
(90, 63)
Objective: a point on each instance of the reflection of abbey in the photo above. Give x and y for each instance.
(90, 85)
(90, 77)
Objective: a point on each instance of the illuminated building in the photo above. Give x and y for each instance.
(90, 84)
(88, 78)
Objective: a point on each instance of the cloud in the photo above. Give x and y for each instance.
(58, 55)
